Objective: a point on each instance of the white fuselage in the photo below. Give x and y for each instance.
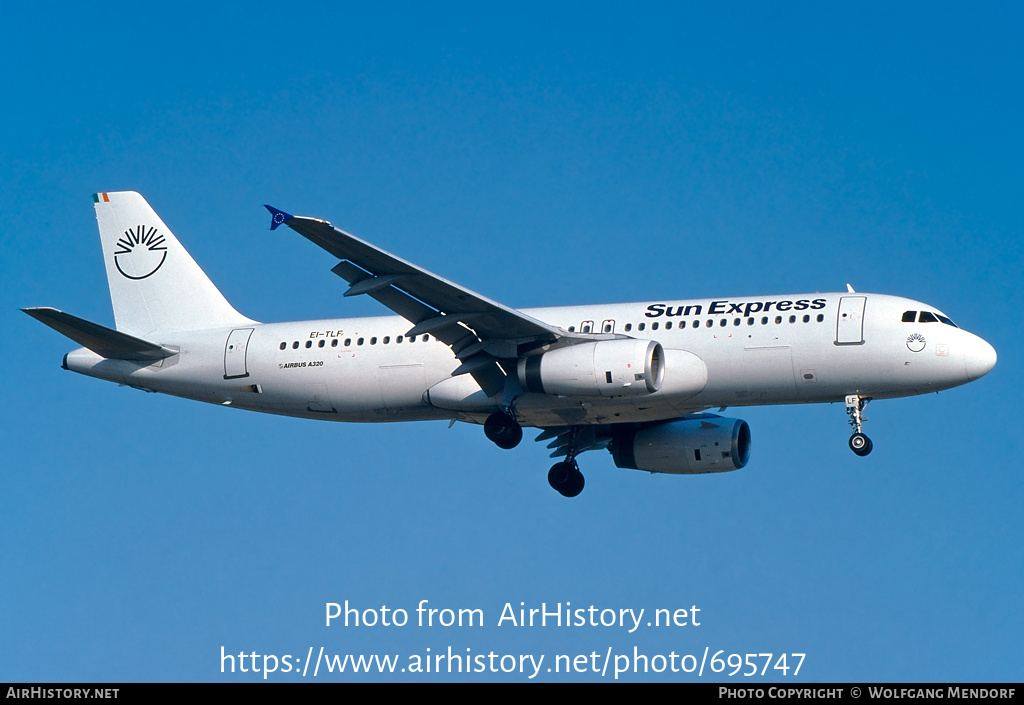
(719, 352)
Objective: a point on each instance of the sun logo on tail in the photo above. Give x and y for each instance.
(140, 252)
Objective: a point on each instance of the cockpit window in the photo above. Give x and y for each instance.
(926, 317)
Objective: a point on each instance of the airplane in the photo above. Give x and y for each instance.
(636, 379)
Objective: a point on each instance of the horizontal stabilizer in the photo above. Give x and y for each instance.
(105, 342)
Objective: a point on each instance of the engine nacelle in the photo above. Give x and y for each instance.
(698, 445)
(604, 368)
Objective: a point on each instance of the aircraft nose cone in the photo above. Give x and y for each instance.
(980, 358)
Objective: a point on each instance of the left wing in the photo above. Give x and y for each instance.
(480, 331)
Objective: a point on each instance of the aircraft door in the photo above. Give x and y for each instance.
(234, 353)
(402, 387)
(319, 398)
(850, 322)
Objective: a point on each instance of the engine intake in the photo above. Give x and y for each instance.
(604, 368)
(692, 446)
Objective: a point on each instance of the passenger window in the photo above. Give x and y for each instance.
(334, 343)
(641, 326)
(736, 322)
(426, 338)
(709, 323)
(348, 342)
(359, 342)
(629, 327)
(723, 323)
(322, 343)
(821, 317)
(908, 316)
(778, 319)
(654, 326)
(373, 340)
(387, 339)
(807, 318)
(295, 345)
(309, 344)
(398, 339)
(668, 326)
(764, 320)
(284, 346)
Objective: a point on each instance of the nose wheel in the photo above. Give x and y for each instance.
(859, 443)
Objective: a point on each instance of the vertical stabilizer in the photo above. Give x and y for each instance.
(155, 285)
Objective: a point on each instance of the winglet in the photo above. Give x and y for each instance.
(277, 217)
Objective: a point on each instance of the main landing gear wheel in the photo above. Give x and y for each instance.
(860, 444)
(503, 430)
(566, 479)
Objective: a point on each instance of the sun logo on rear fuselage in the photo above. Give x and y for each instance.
(915, 342)
(140, 252)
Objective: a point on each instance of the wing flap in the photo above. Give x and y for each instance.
(579, 439)
(389, 273)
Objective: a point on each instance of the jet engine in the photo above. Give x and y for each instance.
(604, 368)
(700, 444)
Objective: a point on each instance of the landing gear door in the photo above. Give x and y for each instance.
(234, 353)
(850, 323)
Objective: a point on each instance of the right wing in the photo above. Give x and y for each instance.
(480, 331)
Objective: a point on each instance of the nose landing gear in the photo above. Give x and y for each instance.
(859, 443)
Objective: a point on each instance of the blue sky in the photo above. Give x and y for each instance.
(540, 154)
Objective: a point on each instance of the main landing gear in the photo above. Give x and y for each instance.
(503, 430)
(564, 477)
(859, 443)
